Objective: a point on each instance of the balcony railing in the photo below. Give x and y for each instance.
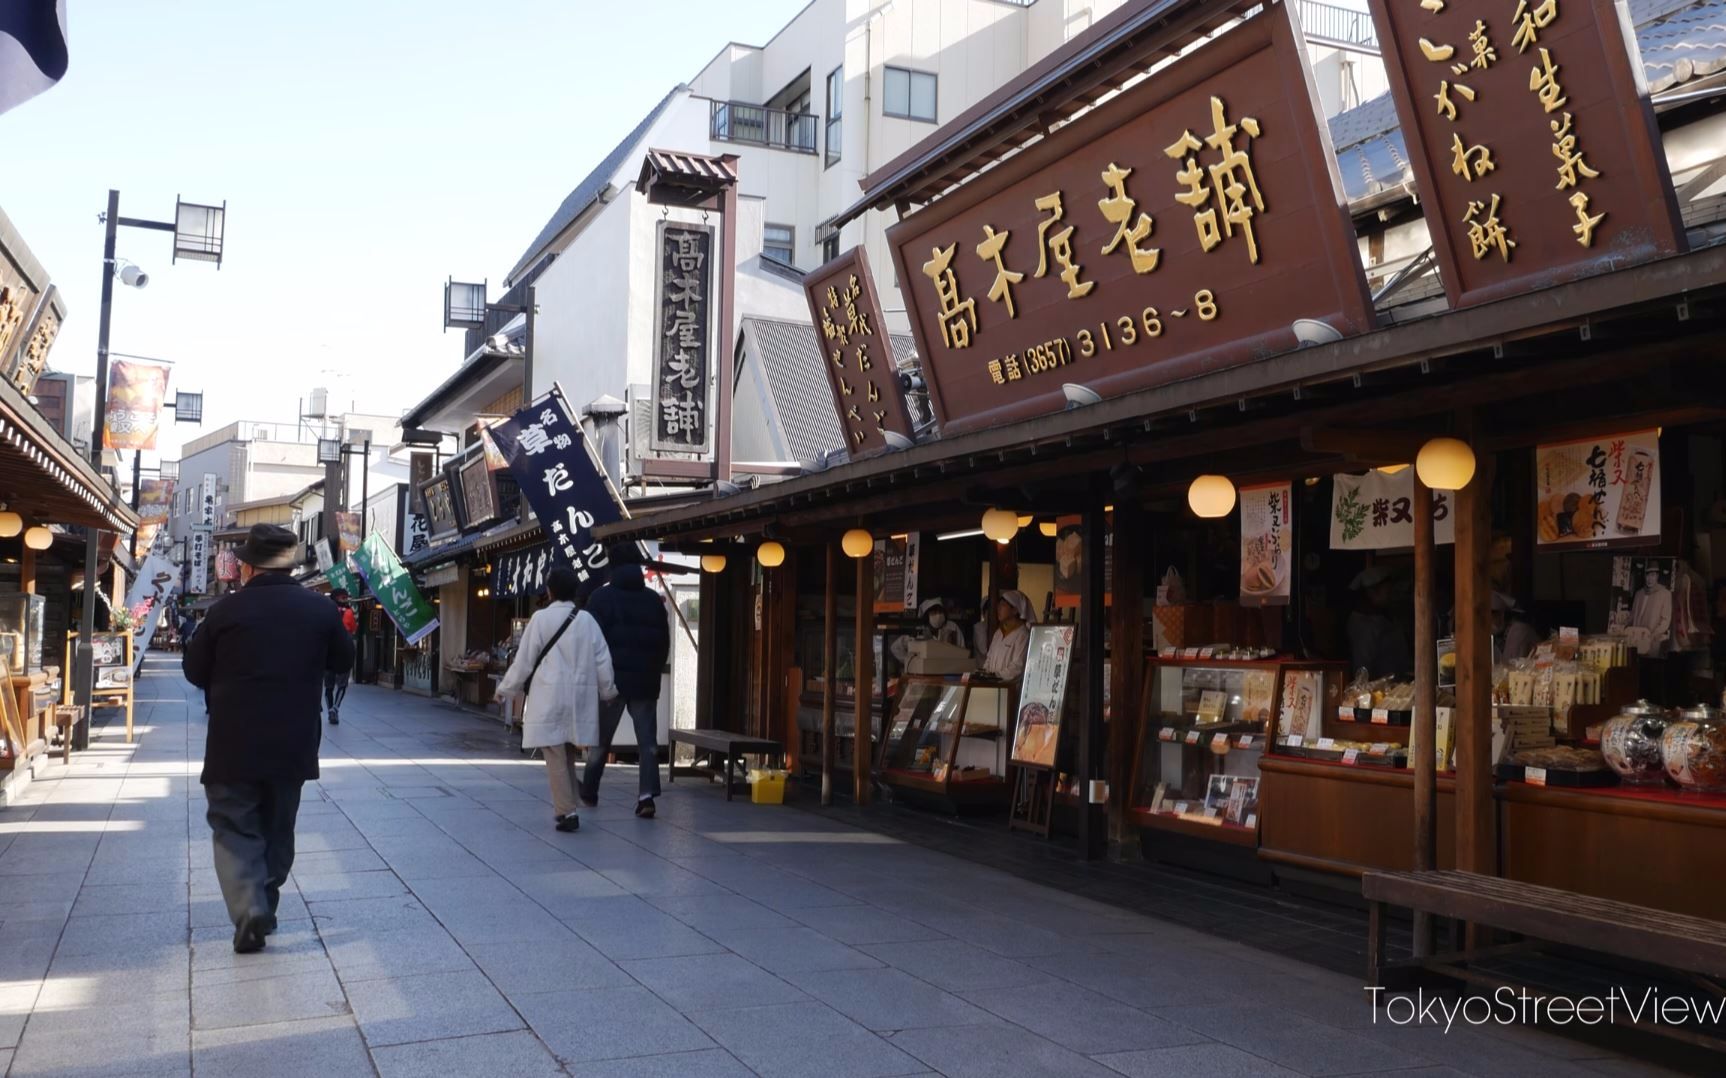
(758, 125)
(1338, 27)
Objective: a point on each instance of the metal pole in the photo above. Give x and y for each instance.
(365, 491)
(84, 673)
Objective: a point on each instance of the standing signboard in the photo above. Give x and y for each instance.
(1181, 228)
(1533, 143)
(683, 356)
(383, 572)
(858, 355)
(1042, 695)
(1267, 544)
(1598, 492)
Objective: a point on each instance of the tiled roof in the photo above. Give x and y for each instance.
(1679, 39)
(589, 188)
(791, 360)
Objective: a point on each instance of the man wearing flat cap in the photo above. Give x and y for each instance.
(261, 656)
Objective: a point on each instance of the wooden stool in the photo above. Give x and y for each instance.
(67, 719)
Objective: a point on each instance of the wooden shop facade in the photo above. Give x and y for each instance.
(1333, 562)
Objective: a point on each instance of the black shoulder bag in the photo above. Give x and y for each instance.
(543, 652)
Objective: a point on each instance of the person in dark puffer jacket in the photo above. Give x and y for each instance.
(638, 631)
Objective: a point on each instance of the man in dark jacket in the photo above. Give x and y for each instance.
(261, 655)
(638, 633)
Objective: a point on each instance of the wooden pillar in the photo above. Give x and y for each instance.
(1423, 736)
(707, 655)
(863, 662)
(1476, 850)
(830, 663)
(27, 570)
(1092, 733)
(1126, 666)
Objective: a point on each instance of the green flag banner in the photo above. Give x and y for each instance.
(395, 589)
(341, 578)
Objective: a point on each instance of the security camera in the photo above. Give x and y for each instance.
(133, 276)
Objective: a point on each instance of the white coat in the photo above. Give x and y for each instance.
(1006, 658)
(563, 703)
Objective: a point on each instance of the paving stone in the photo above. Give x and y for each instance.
(888, 999)
(798, 1039)
(146, 897)
(518, 1055)
(1194, 1061)
(994, 1050)
(955, 965)
(1298, 1043)
(571, 1024)
(369, 955)
(712, 1063)
(431, 1006)
(626, 927)
(290, 998)
(794, 950)
(341, 886)
(703, 982)
(713, 914)
(1081, 1020)
(552, 963)
(857, 925)
(318, 1046)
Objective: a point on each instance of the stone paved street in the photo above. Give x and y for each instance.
(436, 924)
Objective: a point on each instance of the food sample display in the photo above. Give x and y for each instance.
(949, 738)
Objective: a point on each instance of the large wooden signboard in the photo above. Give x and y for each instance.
(857, 354)
(1532, 140)
(1181, 228)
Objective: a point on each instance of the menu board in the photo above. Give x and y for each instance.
(1598, 492)
(1042, 694)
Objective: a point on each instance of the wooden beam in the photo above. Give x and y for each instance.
(1092, 733)
(830, 655)
(1475, 848)
(1423, 737)
(1126, 649)
(863, 663)
(1366, 446)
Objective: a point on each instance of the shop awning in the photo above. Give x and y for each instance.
(45, 478)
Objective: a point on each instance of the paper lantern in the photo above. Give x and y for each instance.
(857, 543)
(10, 524)
(713, 563)
(1024, 520)
(1392, 469)
(1048, 528)
(1001, 525)
(1211, 496)
(39, 538)
(770, 554)
(1445, 464)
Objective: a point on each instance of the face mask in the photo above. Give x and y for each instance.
(937, 620)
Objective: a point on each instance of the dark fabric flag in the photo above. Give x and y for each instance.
(33, 52)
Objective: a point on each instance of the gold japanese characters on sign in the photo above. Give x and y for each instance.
(858, 356)
(1184, 226)
(1551, 159)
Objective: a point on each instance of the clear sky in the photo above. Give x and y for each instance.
(367, 151)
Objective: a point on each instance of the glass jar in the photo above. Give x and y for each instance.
(1630, 743)
(1694, 748)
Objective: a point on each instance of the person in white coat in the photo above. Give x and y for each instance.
(1013, 617)
(564, 669)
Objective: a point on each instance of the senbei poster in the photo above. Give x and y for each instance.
(1267, 544)
(1598, 492)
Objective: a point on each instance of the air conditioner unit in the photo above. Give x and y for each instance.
(260, 434)
(638, 415)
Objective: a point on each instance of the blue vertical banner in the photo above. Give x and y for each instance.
(562, 479)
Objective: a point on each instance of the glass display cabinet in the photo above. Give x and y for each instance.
(1205, 727)
(949, 740)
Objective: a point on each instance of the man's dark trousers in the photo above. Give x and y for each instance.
(644, 713)
(252, 827)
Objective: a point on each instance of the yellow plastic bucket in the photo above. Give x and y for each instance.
(767, 786)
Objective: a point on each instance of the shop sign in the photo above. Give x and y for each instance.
(1042, 695)
(1533, 143)
(896, 573)
(199, 557)
(478, 492)
(134, 409)
(437, 495)
(1376, 512)
(18, 297)
(682, 369)
(420, 467)
(33, 354)
(382, 571)
(1070, 562)
(857, 354)
(1267, 544)
(207, 502)
(549, 455)
(1182, 228)
(521, 572)
(413, 530)
(1598, 492)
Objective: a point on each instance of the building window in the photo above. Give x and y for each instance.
(779, 242)
(830, 247)
(835, 112)
(910, 95)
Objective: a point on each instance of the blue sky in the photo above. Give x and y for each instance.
(367, 151)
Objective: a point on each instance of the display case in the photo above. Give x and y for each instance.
(949, 739)
(1206, 725)
(21, 620)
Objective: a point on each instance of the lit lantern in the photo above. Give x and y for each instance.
(10, 524)
(713, 563)
(857, 543)
(1211, 496)
(1048, 528)
(1024, 520)
(1392, 469)
(1001, 525)
(1445, 464)
(770, 554)
(39, 538)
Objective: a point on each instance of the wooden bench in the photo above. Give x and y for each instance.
(67, 719)
(730, 746)
(1692, 945)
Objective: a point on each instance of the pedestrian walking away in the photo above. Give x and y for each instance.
(336, 681)
(637, 629)
(563, 669)
(260, 655)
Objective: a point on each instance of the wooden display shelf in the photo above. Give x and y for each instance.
(1343, 818)
(1237, 834)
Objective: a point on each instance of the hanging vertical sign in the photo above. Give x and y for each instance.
(383, 572)
(1267, 544)
(134, 409)
(155, 500)
(207, 502)
(348, 528)
(682, 358)
(857, 355)
(896, 574)
(198, 554)
(1598, 492)
(413, 531)
(1375, 511)
(549, 455)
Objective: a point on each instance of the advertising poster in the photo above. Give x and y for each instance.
(1267, 544)
(1070, 562)
(1375, 511)
(1037, 733)
(1598, 492)
(896, 574)
(349, 526)
(1641, 610)
(134, 410)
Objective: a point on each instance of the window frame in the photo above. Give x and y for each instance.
(791, 244)
(911, 74)
(834, 127)
(830, 247)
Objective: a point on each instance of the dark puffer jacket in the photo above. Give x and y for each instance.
(633, 620)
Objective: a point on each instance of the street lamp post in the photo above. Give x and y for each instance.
(198, 234)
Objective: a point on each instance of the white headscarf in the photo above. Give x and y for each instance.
(1021, 604)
